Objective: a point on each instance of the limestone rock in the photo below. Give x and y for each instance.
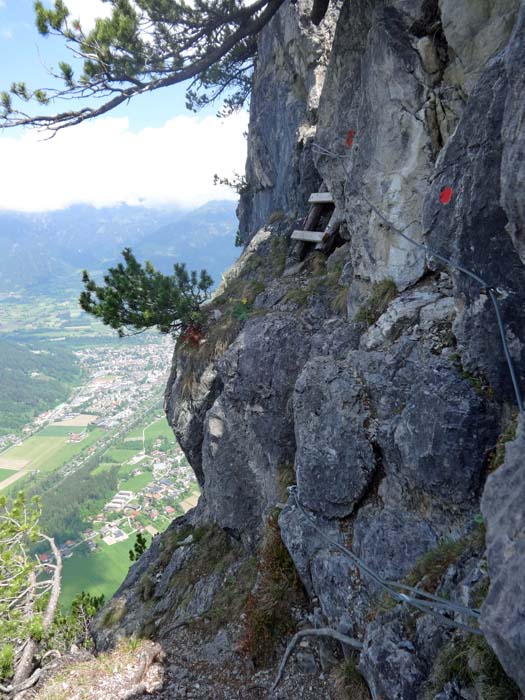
(471, 230)
(441, 435)
(389, 660)
(513, 162)
(292, 58)
(391, 540)
(502, 612)
(476, 30)
(248, 433)
(388, 426)
(334, 460)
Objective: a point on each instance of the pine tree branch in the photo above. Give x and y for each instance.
(251, 20)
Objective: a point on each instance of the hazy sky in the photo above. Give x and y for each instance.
(151, 152)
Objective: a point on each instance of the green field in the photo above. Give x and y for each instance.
(135, 434)
(98, 573)
(5, 473)
(104, 467)
(60, 430)
(50, 453)
(136, 483)
(120, 455)
(159, 429)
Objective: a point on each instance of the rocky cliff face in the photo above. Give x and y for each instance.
(372, 375)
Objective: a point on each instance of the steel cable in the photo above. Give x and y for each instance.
(435, 254)
(425, 601)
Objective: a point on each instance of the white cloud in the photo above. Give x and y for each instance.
(104, 163)
(85, 10)
(2, 3)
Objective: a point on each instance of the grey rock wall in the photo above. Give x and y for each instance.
(291, 64)
(503, 615)
(388, 418)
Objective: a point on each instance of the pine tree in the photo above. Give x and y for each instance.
(139, 547)
(143, 46)
(135, 297)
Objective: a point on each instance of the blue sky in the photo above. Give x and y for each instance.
(156, 152)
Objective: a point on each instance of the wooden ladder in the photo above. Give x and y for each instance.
(319, 202)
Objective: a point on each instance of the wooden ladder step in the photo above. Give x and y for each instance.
(321, 198)
(331, 229)
(309, 236)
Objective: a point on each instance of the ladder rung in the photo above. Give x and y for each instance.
(310, 236)
(321, 198)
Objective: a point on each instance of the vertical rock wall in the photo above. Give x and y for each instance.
(291, 65)
(375, 372)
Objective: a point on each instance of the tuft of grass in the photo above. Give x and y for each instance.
(480, 591)
(433, 565)
(497, 454)
(231, 600)
(213, 551)
(269, 608)
(472, 663)
(285, 477)
(349, 684)
(475, 379)
(381, 295)
(340, 299)
(275, 216)
(170, 541)
(316, 263)
(277, 259)
(479, 384)
(299, 295)
(146, 588)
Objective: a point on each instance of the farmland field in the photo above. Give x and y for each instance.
(159, 429)
(49, 453)
(120, 455)
(57, 430)
(104, 570)
(82, 420)
(136, 483)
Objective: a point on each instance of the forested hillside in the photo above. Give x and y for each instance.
(32, 381)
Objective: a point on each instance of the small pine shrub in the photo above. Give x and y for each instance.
(7, 659)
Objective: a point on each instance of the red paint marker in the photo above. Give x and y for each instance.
(446, 195)
(350, 138)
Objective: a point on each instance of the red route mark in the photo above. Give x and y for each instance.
(446, 195)
(350, 138)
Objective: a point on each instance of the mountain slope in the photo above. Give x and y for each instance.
(45, 251)
(32, 381)
(204, 238)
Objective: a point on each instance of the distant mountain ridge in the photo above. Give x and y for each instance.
(39, 251)
(203, 239)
